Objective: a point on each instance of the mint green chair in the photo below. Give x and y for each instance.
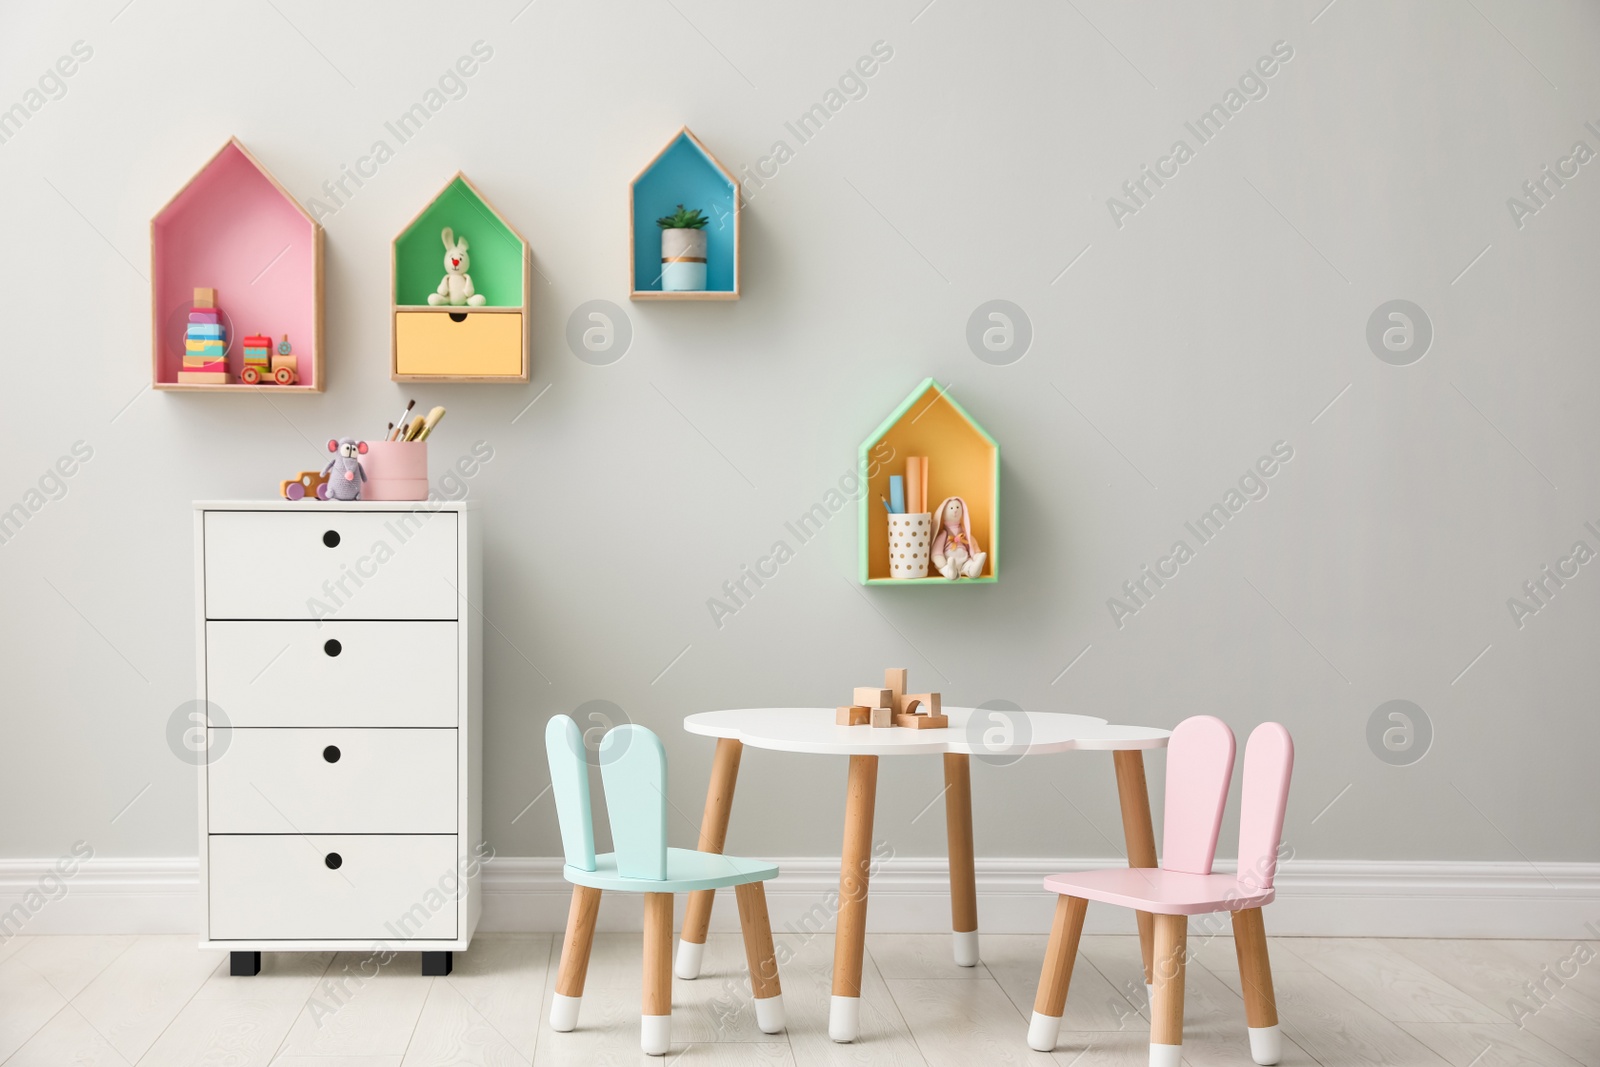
(633, 770)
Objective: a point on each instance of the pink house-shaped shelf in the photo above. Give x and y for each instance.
(234, 229)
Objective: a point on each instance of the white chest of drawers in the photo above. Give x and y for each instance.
(340, 662)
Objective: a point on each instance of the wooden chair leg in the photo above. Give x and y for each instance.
(1255, 977)
(574, 958)
(760, 957)
(1139, 835)
(1166, 1012)
(656, 1018)
(855, 864)
(713, 835)
(963, 871)
(1051, 1002)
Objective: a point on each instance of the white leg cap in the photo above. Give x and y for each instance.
(1266, 1044)
(564, 1013)
(653, 1031)
(769, 1014)
(966, 946)
(1166, 1055)
(844, 1018)
(687, 965)
(1043, 1031)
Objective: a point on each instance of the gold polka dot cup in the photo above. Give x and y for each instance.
(910, 537)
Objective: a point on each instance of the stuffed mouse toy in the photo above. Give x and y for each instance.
(344, 471)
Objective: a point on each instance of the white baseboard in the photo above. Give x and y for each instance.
(1331, 898)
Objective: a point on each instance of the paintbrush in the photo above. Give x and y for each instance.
(409, 405)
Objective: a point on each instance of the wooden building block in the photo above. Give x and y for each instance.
(882, 717)
(920, 704)
(894, 680)
(922, 722)
(852, 715)
(873, 698)
(205, 298)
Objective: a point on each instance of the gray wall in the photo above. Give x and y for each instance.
(1226, 314)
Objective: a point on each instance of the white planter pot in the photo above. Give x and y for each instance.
(683, 260)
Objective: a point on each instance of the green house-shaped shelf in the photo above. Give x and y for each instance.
(234, 229)
(963, 460)
(486, 342)
(684, 172)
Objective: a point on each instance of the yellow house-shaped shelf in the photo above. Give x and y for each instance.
(963, 460)
(486, 342)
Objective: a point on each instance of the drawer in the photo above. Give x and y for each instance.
(483, 344)
(335, 674)
(332, 781)
(330, 564)
(280, 887)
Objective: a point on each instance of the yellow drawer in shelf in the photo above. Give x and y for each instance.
(484, 344)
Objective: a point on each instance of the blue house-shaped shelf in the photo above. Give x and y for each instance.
(963, 460)
(684, 172)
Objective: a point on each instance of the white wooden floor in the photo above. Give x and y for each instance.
(159, 1001)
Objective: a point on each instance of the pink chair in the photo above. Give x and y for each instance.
(1199, 768)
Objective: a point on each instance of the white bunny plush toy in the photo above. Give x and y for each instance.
(456, 288)
(954, 552)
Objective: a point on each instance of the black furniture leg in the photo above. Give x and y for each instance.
(244, 964)
(437, 964)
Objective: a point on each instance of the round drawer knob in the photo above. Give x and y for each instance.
(333, 860)
(331, 753)
(331, 538)
(332, 646)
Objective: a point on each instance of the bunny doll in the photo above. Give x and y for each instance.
(456, 287)
(954, 552)
(344, 470)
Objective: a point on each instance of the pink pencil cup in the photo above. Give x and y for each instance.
(396, 470)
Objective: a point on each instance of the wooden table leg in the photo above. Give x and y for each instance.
(855, 862)
(1140, 836)
(713, 835)
(963, 873)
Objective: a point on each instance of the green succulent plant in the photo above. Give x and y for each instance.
(683, 220)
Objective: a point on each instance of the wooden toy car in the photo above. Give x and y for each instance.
(283, 369)
(281, 373)
(313, 482)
